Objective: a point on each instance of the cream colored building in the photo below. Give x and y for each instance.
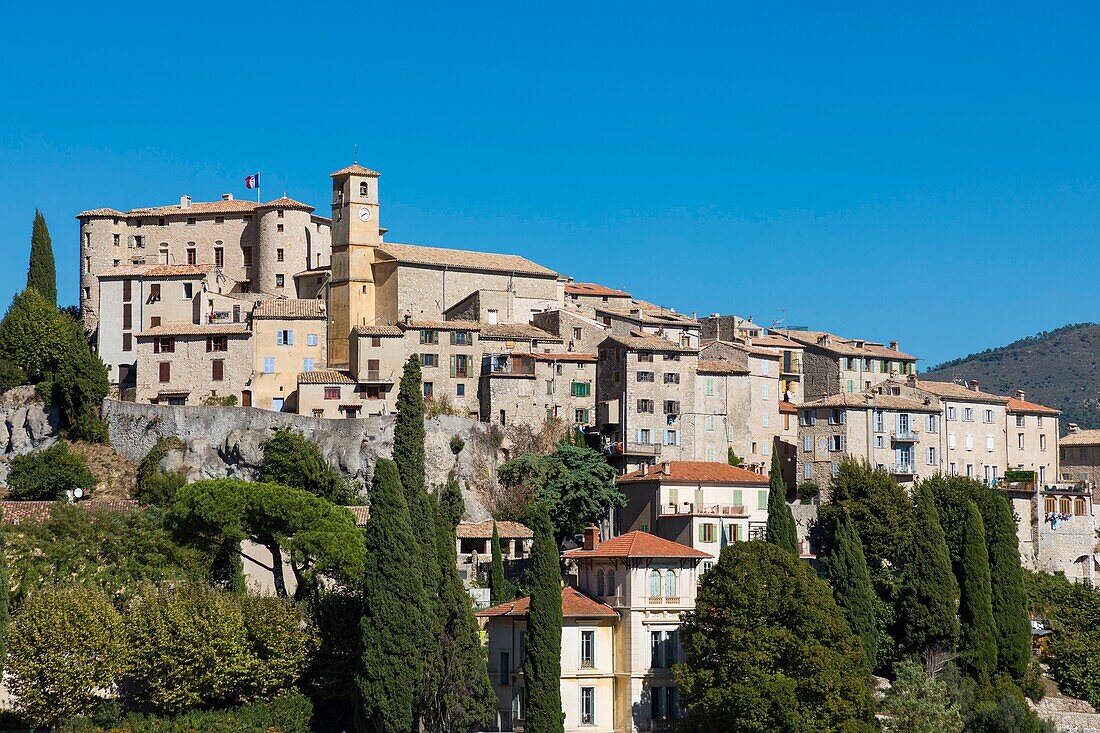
(332, 394)
(1032, 439)
(187, 364)
(1080, 456)
(288, 337)
(620, 636)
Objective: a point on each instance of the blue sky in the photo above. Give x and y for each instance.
(925, 172)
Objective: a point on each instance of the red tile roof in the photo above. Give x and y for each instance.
(574, 604)
(570, 356)
(156, 271)
(484, 530)
(787, 408)
(17, 512)
(285, 203)
(357, 170)
(594, 289)
(637, 544)
(324, 376)
(1015, 405)
(720, 366)
(702, 472)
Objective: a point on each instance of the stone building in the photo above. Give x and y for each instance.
(534, 387)
(186, 363)
(1080, 457)
(473, 545)
(832, 364)
(722, 401)
(330, 393)
(288, 337)
(579, 330)
(701, 504)
(593, 294)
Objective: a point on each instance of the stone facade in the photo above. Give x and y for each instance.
(1080, 456)
(531, 388)
(186, 364)
(833, 364)
(580, 333)
(288, 337)
(1032, 439)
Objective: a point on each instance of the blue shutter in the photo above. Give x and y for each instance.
(290, 338)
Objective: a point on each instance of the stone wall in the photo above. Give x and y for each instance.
(225, 441)
(26, 424)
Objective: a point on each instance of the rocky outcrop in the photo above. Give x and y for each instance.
(28, 422)
(1068, 714)
(225, 441)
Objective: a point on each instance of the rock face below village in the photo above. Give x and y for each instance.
(225, 441)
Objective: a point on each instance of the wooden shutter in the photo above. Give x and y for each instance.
(127, 290)
(156, 346)
(454, 364)
(127, 316)
(166, 371)
(209, 343)
(217, 370)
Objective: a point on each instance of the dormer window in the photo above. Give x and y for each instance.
(363, 188)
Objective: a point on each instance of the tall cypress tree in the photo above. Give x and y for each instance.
(41, 274)
(542, 665)
(408, 430)
(1006, 578)
(497, 591)
(395, 623)
(851, 581)
(4, 612)
(780, 530)
(979, 634)
(926, 606)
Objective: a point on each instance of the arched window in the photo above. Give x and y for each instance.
(654, 584)
(599, 582)
(672, 589)
(363, 188)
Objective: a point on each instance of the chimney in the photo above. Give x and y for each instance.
(912, 380)
(227, 197)
(1073, 428)
(591, 537)
(645, 469)
(666, 468)
(974, 386)
(893, 346)
(1020, 395)
(185, 202)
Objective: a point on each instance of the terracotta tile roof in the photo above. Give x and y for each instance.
(156, 271)
(1081, 437)
(361, 513)
(637, 544)
(574, 604)
(17, 512)
(645, 313)
(512, 331)
(194, 329)
(1016, 405)
(787, 408)
(443, 325)
(289, 308)
(958, 392)
(285, 203)
(720, 366)
(696, 472)
(559, 357)
(324, 376)
(845, 346)
(594, 289)
(378, 331)
(357, 170)
(100, 212)
(314, 271)
(775, 341)
(484, 530)
(465, 259)
(233, 206)
(640, 341)
(868, 401)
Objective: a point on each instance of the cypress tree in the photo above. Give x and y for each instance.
(780, 530)
(497, 589)
(542, 665)
(408, 430)
(979, 635)
(4, 612)
(926, 606)
(394, 624)
(41, 274)
(1006, 577)
(851, 581)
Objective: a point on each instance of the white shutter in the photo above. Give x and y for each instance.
(951, 441)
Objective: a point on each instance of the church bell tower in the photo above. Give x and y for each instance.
(355, 235)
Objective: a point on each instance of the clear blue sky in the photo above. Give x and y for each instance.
(927, 173)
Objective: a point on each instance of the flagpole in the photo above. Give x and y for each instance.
(257, 187)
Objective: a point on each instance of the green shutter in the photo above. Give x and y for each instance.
(738, 498)
(454, 365)
(762, 499)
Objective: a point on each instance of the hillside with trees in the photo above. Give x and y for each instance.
(1059, 368)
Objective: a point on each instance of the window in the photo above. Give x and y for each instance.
(708, 423)
(127, 316)
(807, 442)
(762, 499)
(588, 644)
(188, 291)
(707, 532)
(580, 389)
(987, 417)
(165, 345)
(807, 471)
(837, 443)
(460, 366)
(645, 405)
(503, 668)
(969, 442)
(951, 441)
(269, 365)
(1020, 441)
(311, 339)
(836, 416)
(363, 192)
(429, 389)
(576, 334)
(1019, 421)
(332, 393)
(279, 213)
(219, 219)
(672, 585)
(154, 292)
(429, 337)
(672, 438)
(765, 420)
(672, 378)
(1042, 442)
(219, 257)
(307, 364)
(217, 370)
(165, 371)
(118, 239)
(580, 416)
(1079, 507)
(664, 703)
(460, 390)
(672, 407)
(989, 446)
(247, 253)
(968, 414)
(932, 456)
(951, 415)
(217, 343)
(644, 437)
(710, 386)
(284, 337)
(670, 357)
(588, 706)
(279, 228)
(280, 280)
(461, 338)
(429, 360)
(645, 376)
(807, 418)
(662, 649)
(880, 441)
(280, 254)
(127, 342)
(646, 356)
(763, 391)
(190, 221)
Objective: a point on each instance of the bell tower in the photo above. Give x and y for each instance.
(355, 236)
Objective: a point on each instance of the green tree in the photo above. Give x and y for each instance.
(318, 537)
(67, 645)
(499, 592)
(408, 429)
(575, 484)
(732, 458)
(879, 508)
(780, 530)
(280, 643)
(78, 384)
(33, 335)
(928, 591)
(48, 474)
(5, 599)
(979, 635)
(768, 649)
(292, 460)
(542, 663)
(41, 274)
(154, 485)
(851, 580)
(1010, 611)
(11, 375)
(919, 703)
(395, 623)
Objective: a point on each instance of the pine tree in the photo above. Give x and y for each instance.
(926, 605)
(780, 529)
(461, 696)
(498, 592)
(394, 625)
(1006, 577)
(979, 635)
(851, 581)
(542, 665)
(42, 275)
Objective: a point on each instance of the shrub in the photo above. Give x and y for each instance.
(807, 491)
(153, 485)
(48, 474)
(287, 713)
(11, 375)
(213, 400)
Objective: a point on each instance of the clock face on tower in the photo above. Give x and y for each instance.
(364, 213)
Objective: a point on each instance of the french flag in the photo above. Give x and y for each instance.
(252, 181)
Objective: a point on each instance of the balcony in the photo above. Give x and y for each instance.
(902, 469)
(904, 436)
(790, 367)
(640, 449)
(664, 600)
(378, 376)
(729, 510)
(510, 367)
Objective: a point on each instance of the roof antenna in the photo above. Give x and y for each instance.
(355, 153)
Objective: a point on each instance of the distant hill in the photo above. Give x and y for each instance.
(1059, 368)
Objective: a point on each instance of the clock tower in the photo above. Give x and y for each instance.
(355, 235)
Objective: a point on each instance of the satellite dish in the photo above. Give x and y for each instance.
(78, 493)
